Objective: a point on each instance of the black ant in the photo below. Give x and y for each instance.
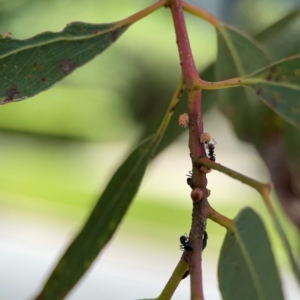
(211, 148)
(189, 179)
(185, 243)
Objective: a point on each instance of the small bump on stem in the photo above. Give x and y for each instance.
(183, 120)
(205, 137)
(196, 195)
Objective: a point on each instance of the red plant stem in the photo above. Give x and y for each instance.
(197, 150)
(187, 63)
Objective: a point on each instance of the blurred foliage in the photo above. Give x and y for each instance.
(122, 94)
(108, 84)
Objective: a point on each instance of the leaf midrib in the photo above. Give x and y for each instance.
(251, 266)
(56, 39)
(249, 81)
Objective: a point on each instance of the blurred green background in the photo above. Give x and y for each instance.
(60, 148)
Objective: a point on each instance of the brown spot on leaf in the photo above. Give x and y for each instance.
(44, 79)
(273, 69)
(11, 93)
(30, 77)
(273, 74)
(35, 66)
(259, 91)
(115, 35)
(67, 66)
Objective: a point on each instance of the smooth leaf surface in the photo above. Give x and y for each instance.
(270, 134)
(284, 32)
(247, 268)
(239, 55)
(28, 67)
(101, 224)
(279, 87)
(107, 214)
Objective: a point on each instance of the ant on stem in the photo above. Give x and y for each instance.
(185, 242)
(211, 148)
(189, 179)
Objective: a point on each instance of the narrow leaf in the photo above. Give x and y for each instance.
(107, 214)
(101, 224)
(28, 67)
(247, 268)
(279, 87)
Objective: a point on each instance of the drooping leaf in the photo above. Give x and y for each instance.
(28, 67)
(279, 87)
(264, 128)
(239, 55)
(252, 120)
(101, 224)
(107, 214)
(247, 269)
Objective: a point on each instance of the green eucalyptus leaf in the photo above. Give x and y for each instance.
(28, 67)
(279, 87)
(107, 214)
(247, 269)
(239, 55)
(284, 32)
(101, 224)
